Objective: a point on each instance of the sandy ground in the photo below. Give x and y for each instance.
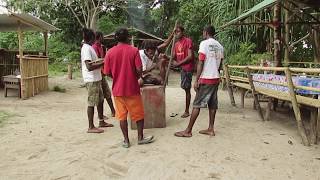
(46, 139)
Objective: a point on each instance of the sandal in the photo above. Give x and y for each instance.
(146, 140)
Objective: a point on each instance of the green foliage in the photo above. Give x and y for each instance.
(109, 23)
(57, 88)
(9, 40)
(246, 56)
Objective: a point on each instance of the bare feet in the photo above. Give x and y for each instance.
(209, 132)
(95, 130)
(183, 134)
(104, 124)
(185, 115)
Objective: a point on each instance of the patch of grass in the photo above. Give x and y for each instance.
(4, 116)
(61, 69)
(57, 88)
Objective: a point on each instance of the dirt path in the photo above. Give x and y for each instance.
(46, 139)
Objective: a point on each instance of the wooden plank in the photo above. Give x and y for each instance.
(20, 37)
(296, 108)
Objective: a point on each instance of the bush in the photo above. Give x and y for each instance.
(59, 89)
(246, 56)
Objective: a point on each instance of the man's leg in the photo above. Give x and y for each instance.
(93, 96)
(124, 129)
(212, 106)
(140, 127)
(101, 117)
(188, 131)
(210, 130)
(188, 99)
(110, 103)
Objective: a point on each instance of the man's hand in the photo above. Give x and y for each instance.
(196, 86)
(175, 64)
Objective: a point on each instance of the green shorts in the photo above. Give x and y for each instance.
(95, 95)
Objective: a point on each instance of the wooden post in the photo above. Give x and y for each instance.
(313, 125)
(268, 111)
(255, 95)
(20, 37)
(277, 33)
(287, 35)
(242, 92)
(229, 87)
(171, 58)
(69, 71)
(296, 108)
(45, 35)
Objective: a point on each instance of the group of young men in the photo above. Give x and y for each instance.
(131, 68)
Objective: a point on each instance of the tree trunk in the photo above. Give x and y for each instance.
(277, 34)
(69, 71)
(315, 38)
(287, 36)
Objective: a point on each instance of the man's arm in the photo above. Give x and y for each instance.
(92, 66)
(199, 71)
(187, 59)
(167, 41)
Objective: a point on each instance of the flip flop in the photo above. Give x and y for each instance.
(185, 115)
(182, 134)
(95, 130)
(206, 132)
(105, 124)
(125, 144)
(173, 114)
(146, 140)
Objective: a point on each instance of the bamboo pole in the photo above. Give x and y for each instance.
(69, 71)
(296, 108)
(255, 95)
(171, 58)
(277, 33)
(20, 37)
(229, 87)
(45, 35)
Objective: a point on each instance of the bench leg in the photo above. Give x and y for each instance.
(313, 125)
(243, 91)
(268, 110)
(5, 90)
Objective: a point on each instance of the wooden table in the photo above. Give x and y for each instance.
(12, 82)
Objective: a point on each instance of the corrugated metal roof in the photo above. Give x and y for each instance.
(9, 21)
(264, 4)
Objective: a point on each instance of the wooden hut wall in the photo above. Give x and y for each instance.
(34, 75)
(9, 62)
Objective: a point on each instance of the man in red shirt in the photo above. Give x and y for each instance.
(184, 56)
(207, 82)
(98, 48)
(123, 64)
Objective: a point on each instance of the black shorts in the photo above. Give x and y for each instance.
(186, 79)
(206, 96)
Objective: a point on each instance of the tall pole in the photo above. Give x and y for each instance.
(45, 35)
(287, 35)
(277, 34)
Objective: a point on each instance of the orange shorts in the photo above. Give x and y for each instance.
(129, 104)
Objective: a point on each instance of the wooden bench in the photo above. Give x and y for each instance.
(11, 82)
(246, 83)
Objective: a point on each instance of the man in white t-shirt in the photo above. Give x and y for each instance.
(147, 54)
(207, 82)
(91, 73)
